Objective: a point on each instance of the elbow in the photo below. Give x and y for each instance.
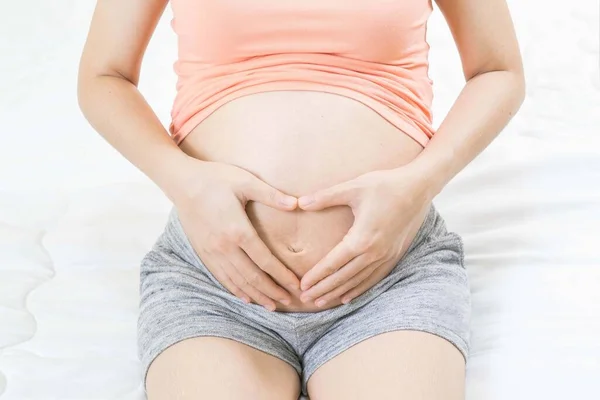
(90, 85)
(91, 79)
(512, 80)
(83, 89)
(87, 91)
(85, 80)
(518, 85)
(515, 86)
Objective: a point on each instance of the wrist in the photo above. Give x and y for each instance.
(176, 175)
(431, 173)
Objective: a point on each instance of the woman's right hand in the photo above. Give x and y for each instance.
(210, 200)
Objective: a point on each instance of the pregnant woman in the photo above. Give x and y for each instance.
(303, 253)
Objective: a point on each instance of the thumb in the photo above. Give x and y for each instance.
(337, 195)
(257, 190)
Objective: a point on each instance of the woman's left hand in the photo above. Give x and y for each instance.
(386, 204)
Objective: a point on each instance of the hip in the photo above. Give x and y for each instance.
(434, 260)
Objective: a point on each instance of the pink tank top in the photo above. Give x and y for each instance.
(373, 51)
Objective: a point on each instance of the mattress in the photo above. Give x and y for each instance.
(75, 219)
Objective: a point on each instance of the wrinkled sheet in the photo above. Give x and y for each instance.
(75, 219)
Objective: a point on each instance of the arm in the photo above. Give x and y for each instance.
(210, 197)
(108, 95)
(495, 89)
(387, 204)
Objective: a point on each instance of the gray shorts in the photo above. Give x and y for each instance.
(428, 290)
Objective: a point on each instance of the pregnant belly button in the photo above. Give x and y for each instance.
(299, 239)
(295, 249)
(297, 256)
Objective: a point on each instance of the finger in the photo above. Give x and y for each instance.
(257, 190)
(339, 256)
(219, 271)
(226, 281)
(362, 287)
(258, 297)
(260, 254)
(256, 278)
(338, 278)
(339, 292)
(337, 195)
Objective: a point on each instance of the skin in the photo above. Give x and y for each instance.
(396, 365)
(371, 208)
(108, 96)
(299, 238)
(215, 368)
(494, 91)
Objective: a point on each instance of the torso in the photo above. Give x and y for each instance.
(300, 142)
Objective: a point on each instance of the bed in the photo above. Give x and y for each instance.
(75, 218)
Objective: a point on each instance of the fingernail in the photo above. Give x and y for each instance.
(346, 300)
(270, 307)
(288, 201)
(305, 299)
(306, 201)
(320, 303)
(246, 300)
(285, 302)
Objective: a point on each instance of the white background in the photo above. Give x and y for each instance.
(46, 142)
(75, 217)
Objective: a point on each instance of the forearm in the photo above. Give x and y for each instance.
(484, 107)
(119, 113)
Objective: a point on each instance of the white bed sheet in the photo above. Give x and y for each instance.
(75, 219)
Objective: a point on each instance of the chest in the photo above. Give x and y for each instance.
(375, 30)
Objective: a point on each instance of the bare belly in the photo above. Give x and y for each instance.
(300, 142)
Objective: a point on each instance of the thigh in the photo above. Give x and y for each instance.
(217, 368)
(405, 364)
